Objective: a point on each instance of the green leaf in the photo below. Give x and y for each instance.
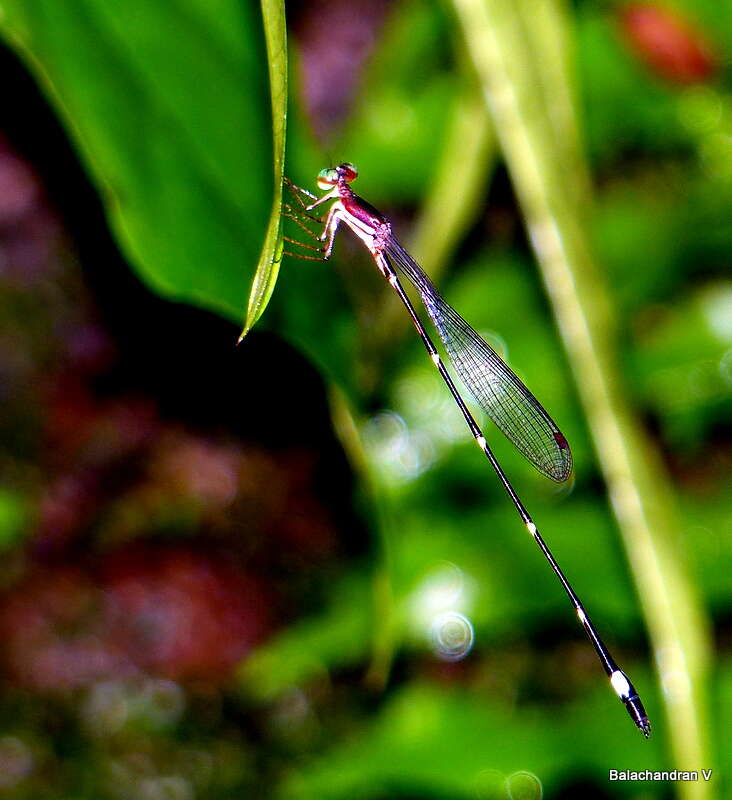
(273, 12)
(167, 106)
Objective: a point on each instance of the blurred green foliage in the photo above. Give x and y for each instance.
(13, 522)
(168, 107)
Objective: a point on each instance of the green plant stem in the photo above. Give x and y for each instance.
(384, 612)
(509, 63)
(459, 182)
(549, 34)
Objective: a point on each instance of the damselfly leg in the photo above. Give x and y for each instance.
(302, 217)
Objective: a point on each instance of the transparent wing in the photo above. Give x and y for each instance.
(503, 397)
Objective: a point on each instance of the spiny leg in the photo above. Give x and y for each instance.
(333, 220)
(303, 244)
(293, 187)
(290, 213)
(303, 213)
(296, 192)
(301, 256)
(328, 236)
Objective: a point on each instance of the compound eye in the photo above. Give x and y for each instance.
(327, 177)
(349, 172)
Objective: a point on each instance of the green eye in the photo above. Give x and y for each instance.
(328, 176)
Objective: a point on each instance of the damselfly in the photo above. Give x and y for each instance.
(504, 398)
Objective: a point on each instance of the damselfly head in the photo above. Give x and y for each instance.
(327, 178)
